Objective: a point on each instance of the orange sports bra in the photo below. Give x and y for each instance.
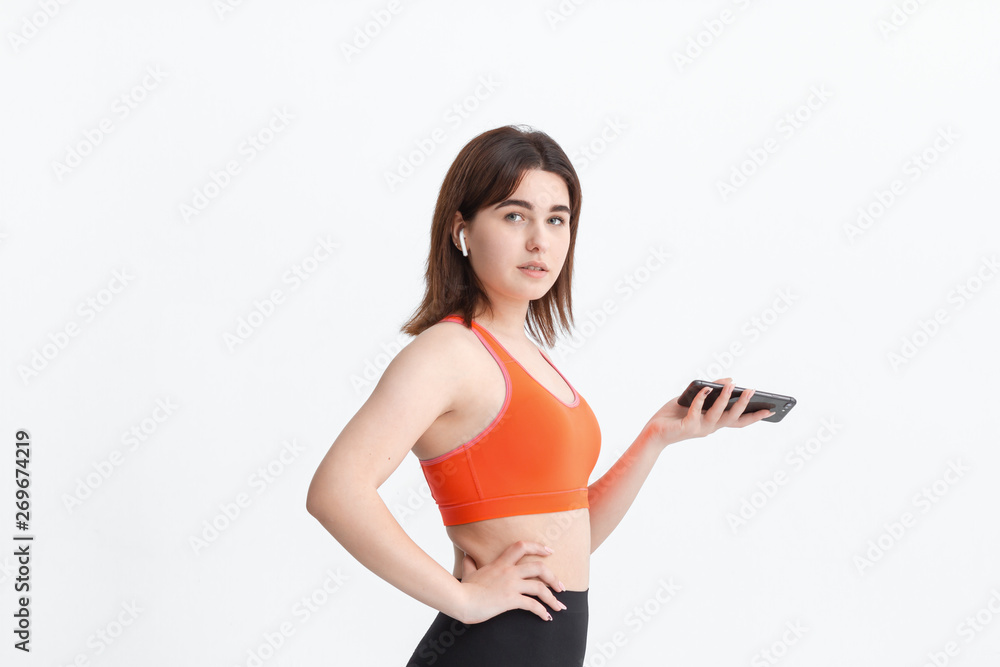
(535, 456)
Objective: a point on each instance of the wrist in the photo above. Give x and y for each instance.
(657, 438)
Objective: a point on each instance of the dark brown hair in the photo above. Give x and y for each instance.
(486, 171)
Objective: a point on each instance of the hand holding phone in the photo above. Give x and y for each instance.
(761, 400)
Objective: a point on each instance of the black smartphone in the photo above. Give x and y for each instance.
(760, 400)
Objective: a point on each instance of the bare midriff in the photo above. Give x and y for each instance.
(566, 533)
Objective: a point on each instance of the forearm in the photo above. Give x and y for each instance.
(360, 521)
(611, 495)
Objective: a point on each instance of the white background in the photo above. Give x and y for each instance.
(652, 138)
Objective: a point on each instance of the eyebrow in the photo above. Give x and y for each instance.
(529, 206)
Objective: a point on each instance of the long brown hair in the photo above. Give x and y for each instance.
(486, 171)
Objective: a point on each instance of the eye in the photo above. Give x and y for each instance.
(562, 221)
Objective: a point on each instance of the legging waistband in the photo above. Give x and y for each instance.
(513, 637)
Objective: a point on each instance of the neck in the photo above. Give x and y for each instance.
(506, 321)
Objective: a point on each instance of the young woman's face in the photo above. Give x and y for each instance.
(531, 227)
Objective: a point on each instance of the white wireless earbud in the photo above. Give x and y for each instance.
(461, 237)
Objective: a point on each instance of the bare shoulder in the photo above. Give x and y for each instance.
(425, 380)
(435, 366)
(445, 351)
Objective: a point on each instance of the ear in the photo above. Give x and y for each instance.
(457, 223)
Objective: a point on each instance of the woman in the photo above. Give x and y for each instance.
(505, 442)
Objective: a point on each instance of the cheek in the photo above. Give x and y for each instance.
(494, 258)
(502, 250)
(564, 248)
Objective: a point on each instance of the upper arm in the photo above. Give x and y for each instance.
(420, 384)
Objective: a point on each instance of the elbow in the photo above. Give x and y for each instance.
(318, 498)
(311, 504)
(323, 510)
(330, 496)
(323, 501)
(320, 504)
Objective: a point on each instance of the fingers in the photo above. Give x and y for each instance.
(752, 418)
(713, 414)
(540, 570)
(519, 549)
(535, 607)
(540, 590)
(697, 404)
(545, 580)
(700, 421)
(741, 403)
(533, 568)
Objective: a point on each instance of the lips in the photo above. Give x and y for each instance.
(540, 265)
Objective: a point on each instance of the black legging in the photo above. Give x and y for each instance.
(514, 637)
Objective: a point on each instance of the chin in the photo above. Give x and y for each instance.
(532, 295)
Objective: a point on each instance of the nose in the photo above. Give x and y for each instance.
(538, 238)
